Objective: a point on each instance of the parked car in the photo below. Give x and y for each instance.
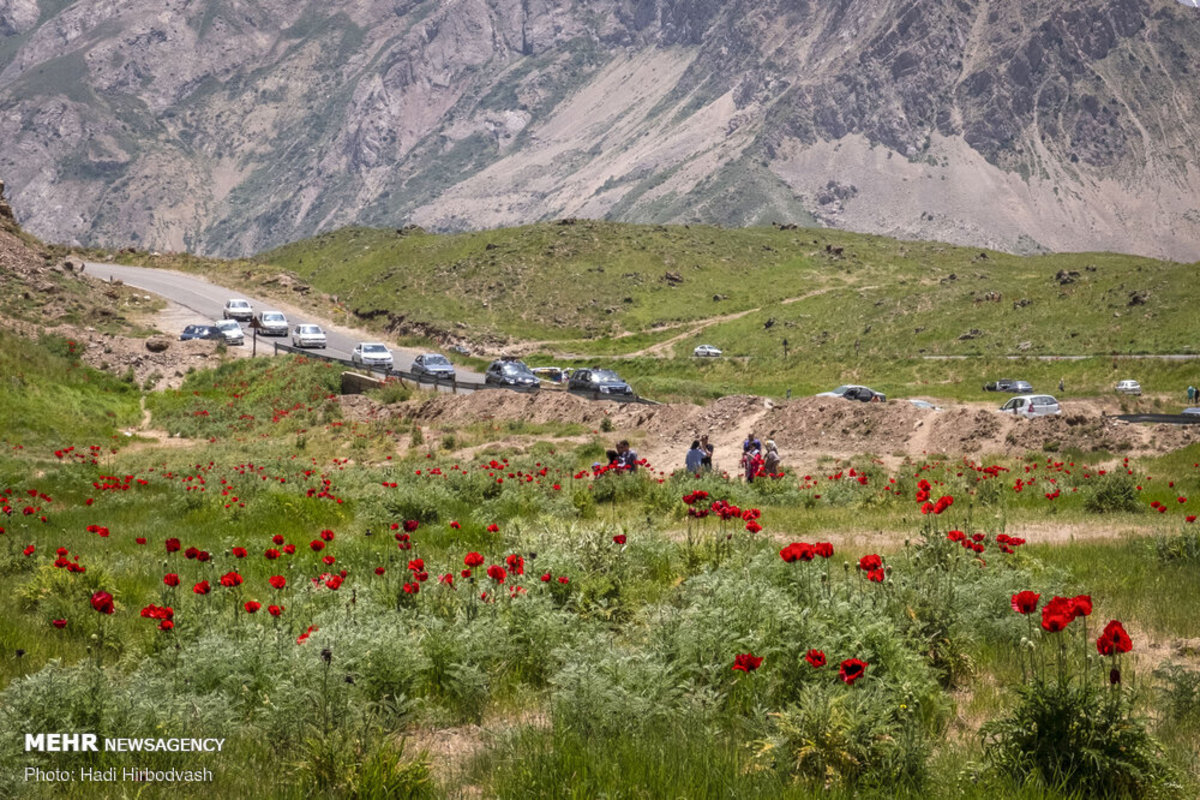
(201, 332)
(855, 392)
(272, 323)
(1032, 405)
(604, 381)
(924, 405)
(239, 310)
(232, 331)
(1129, 387)
(706, 351)
(1191, 412)
(435, 365)
(461, 349)
(513, 374)
(1008, 385)
(371, 354)
(308, 335)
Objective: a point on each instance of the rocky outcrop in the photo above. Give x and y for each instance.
(1021, 126)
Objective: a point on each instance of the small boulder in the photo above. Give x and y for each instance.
(157, 344)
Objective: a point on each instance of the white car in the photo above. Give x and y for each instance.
(706, 351)
(1032, 405)
(305, 335)
(231, 330)
(371, 354)
(1129, 387)
(272, 323)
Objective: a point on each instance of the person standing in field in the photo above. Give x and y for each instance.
(694, 461)
(706, 446)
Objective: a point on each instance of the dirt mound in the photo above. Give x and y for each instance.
(843, 426)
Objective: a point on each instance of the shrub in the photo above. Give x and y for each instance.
(1112, 493)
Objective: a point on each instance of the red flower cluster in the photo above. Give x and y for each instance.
(1114, 640)
(746, 662)
(1061, 611)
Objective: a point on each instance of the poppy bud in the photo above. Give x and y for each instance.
(1114, 677)
(327, 655)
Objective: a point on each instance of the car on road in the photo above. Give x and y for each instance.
(706, 351)
(232, 331)
(854, 392)
(201, 332)
(238, 309)
(433, 365)
(308, 335)
(1008, 385)
(510, 373)
(603, 381)
(371, 354)
(1032, 405)
(924, 405)
(272, 323)
(1191, 412)
(1129, 387)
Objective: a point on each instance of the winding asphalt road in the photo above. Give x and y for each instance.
(208, 301)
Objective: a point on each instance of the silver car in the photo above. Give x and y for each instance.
(371, 354)
(238, 309)
(434, 365)
(272, 323)
(305, 335)
(232, 331)
(1032, 405)
(706, 351)
(1129, 387)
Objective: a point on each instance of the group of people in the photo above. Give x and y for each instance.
(756, 461)
(624, 457)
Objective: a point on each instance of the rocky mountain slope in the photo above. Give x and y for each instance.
(227, 126)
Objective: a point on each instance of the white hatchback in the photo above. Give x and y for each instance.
(1129, 387)
(1032, 405)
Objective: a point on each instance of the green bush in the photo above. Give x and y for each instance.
(1112, 493)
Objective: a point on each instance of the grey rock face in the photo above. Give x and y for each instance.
(227, 130)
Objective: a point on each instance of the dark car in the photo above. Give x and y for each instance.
(513, 374)
(434, 365)
(604, 381)
(201, 332)
(1009, 385)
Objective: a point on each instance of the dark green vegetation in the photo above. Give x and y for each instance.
(615, 681)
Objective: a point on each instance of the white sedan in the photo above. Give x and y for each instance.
(706, 351)
(305, 335)
(371, 354)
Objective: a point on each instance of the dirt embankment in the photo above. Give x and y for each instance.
(808, 429)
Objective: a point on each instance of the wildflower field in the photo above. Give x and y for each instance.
(356, 619)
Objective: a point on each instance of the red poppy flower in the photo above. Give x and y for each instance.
(753, 526)
(823, 549)
(1113, 640)
(166, 625)
(59, 623)
(202, 588)
(851, 670)
(140, 540)
(379, 570)
(277, 538)
(172, 545)
(493, 528)
(619, 538)
(546, 577)
(327, 535)
(239, 552)
(956, 536)
(289, 549)
(868, 563)
(29, 550)
(334, 582)
(1025, 602)
(277, 581)
(275, 611)
(816, 658)
(516, 564)
(252, 606)
(411, 525)
(231, 579)
(473, 559)
(1082, 605)
(876, 576)
(563, 579)
(454, 524)
(103, 602)
(412, 588)
(302, 638)
(746, 662)
(317, 545)
(171, 579)
(1057, 614)
(497, 573)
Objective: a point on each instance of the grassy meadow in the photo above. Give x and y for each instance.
(358, 613)
(870, 309)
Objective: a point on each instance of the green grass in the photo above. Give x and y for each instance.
(875, 312)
